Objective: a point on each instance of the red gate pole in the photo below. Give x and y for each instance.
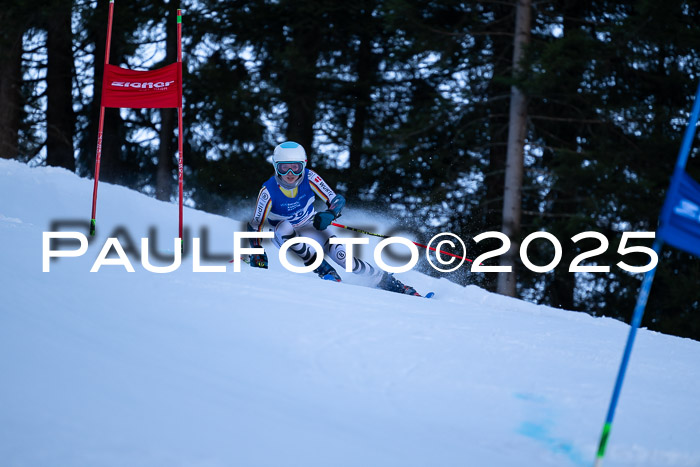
(179, 121)
(98, 154)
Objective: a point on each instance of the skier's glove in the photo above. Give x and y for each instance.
(323, 219)
(258, 260)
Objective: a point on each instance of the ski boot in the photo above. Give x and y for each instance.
(326, 271)
(390, 283)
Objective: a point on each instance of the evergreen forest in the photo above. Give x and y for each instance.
(405, 107)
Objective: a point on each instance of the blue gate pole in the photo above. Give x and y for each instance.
(639, 308)
(636, 321)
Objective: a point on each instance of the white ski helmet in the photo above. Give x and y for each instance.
(285, 156)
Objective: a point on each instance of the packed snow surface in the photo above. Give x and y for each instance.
(274, 368)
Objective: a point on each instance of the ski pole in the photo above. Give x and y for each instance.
(387, 236)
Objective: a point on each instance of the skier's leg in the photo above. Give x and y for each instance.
(389, 282)
(338, 254)
(378, 278)
(284, 231)
(360, 267)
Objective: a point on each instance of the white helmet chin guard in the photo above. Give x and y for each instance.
(289, 151)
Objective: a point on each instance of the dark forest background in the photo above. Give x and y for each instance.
(403, 106)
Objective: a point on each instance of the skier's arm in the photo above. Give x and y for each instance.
(334, 202)
(323, 219)
(337, 205)
(321, 188)
(262, 208)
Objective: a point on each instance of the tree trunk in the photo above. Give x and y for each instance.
(59, 88)
(489, 213)
(366, 70)
(299, 88)
(512, 193)
(164, 171)
(562, 287)
(112, 168)
(10, 86)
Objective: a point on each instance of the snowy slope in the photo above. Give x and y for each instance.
(272, 368)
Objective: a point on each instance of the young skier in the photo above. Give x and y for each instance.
(286, 201)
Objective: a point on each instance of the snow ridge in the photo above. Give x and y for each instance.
(272, 368)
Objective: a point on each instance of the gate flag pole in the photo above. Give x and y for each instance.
(678, 227)
(179, 122)
(634, 325)
(98, 154)
(141, 89)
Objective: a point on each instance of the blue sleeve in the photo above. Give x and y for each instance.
(337, 205)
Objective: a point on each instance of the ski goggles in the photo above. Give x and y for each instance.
(283, 168)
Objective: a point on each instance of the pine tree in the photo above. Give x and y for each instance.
(10, 80)
(60, 121)
(512, 197)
